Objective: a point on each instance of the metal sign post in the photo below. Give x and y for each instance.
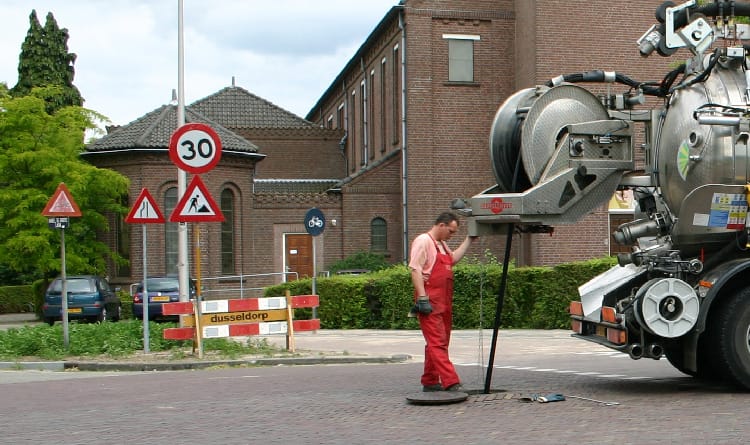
(60, 206)
(145, 211)
(64, 291)
(315, 224)
(144, 296)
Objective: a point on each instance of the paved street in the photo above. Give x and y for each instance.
(365, 403)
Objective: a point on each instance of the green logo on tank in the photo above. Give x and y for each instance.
(683, 160)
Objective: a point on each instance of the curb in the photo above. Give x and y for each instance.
(33, 366)
(187, 365)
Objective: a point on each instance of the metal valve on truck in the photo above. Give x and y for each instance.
(559, 151)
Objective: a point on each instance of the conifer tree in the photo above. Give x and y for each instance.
(45, 62)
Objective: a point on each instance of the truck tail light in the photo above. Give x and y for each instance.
(609, 315)
(576, 308)
(617, 336)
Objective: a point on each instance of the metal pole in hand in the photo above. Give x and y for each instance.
(499, 309)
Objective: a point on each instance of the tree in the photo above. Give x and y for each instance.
(46, 62)
(37, 152)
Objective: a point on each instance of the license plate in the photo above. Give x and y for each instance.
(75, 310)
(160, 298)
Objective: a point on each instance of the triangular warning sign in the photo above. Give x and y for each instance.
(145, 210)
(196, 205)
(61, 203)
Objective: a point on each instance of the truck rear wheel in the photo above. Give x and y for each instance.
(730, 338)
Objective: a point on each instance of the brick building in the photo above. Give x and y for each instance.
(399, 132)
(418, 98)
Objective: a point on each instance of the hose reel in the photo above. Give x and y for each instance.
(667, 307)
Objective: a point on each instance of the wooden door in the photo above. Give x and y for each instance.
(298, 254)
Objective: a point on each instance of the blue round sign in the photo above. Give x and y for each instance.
(315, 222)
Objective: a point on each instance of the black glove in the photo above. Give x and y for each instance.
(413, 312)
(423, 305)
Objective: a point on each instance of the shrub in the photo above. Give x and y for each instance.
(360, 260)
(535, 297)
(111, 339)
(15, 299)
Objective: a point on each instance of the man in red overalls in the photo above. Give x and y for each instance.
(431, 263)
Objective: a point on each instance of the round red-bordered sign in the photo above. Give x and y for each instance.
(195, 148)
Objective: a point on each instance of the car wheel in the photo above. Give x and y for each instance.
(117, 313)
(103, 315)
(49, 320)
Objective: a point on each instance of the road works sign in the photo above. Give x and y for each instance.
(196, 205)
(61, 203)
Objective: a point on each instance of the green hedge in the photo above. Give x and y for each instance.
(535, 297)
(29, 298)
(15, 299)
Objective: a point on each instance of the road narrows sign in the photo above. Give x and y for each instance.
(144, 210)
(61, 203)
(196, 205)
(195, 148)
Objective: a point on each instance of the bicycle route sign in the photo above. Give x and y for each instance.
(315, 221)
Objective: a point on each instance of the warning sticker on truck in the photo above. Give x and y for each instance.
(728, 210)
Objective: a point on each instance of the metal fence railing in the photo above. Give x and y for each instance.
(242, 286)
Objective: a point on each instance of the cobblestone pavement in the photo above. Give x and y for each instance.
(366, 403)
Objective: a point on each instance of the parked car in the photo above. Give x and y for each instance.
(160, 290)
(89, 298)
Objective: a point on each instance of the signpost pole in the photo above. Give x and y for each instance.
(183, 270)
(144, 296)
(315, 275)
(145, 211)
(198, 327)
(62, 205)
(315, 224)
(64, 291)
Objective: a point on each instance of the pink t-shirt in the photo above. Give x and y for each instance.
(424, 254)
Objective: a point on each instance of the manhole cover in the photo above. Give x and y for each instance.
(436, 397)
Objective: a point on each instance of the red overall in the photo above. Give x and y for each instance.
(436, 327)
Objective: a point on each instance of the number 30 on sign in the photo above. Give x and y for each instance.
(195, 148)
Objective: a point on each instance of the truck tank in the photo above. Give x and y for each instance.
(559, 151)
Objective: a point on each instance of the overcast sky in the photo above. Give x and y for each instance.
(285, 51)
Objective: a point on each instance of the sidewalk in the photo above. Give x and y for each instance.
(324, 346)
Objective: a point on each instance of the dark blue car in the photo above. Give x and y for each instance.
(160, 290)
(89, 298)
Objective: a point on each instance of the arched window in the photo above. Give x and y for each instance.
(227, 232)
(378, 235)
(171, 241)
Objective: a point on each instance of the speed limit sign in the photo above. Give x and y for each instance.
(195, 148)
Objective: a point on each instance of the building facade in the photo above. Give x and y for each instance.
(417, 102)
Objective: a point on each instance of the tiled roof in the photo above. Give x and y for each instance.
(237, 108)
(286, 186)
(154, 130)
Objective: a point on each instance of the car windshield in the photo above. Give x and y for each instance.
(74, 285)
(160, 285)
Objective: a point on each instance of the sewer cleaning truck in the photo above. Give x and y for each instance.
(560, 151)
